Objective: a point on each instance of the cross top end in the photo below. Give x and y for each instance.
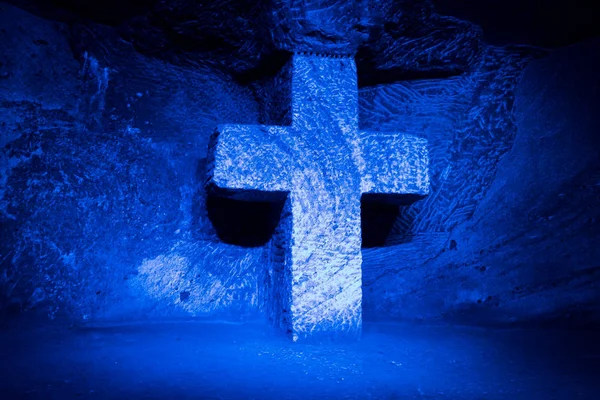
(324, 55)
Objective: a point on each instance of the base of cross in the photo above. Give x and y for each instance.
(299, 328)
(312, 281)
(332, 335)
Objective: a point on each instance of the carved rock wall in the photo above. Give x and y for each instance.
(469, 125)
(526, 249)
(102, 162)
(102, 211)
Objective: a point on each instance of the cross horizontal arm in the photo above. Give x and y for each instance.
(246, 159)
(394, 164)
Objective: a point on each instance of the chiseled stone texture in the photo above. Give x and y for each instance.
(468, 121)
(103, 144)
(102, 212)
(469, 125)
(325, 26)
(517, 232)
(409, 38)
(321, 165)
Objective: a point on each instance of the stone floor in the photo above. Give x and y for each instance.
(194, 360)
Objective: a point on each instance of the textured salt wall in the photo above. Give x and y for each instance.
(102, 163)
(469, 125)
(525, 248)
(102, 160)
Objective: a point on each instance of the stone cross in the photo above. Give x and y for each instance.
(322, 165)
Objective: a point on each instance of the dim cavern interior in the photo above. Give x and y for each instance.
(299, 199)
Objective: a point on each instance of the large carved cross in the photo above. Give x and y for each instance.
(322, 164)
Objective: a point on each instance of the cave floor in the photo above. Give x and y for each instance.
(193, 360)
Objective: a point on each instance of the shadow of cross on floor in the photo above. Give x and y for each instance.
(322, 165)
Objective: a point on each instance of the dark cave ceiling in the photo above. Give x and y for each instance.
(415, 38)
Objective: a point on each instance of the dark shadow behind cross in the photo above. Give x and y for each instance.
(321, 166)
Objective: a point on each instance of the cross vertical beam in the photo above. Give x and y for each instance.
(325, 239)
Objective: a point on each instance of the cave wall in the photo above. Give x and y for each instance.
(102, 211)
(102, 162)
(469, 126)
(526, 252)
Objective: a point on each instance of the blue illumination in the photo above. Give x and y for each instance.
(375, 164)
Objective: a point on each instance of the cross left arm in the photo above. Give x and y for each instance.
(248, 159)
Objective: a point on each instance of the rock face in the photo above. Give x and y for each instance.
(504, 22)
(103, 211)
(467, 121)
(528, 251)
(104, 132)
(409, 40)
